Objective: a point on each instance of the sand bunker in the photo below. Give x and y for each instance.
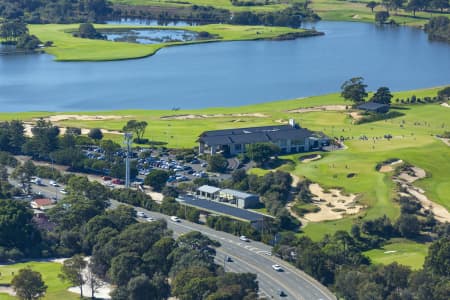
(445, 104)
(62, 130)
(333, 204)
(446, 141)
(355, 115)
(390, 167)
(59, 118)
(7, 290)
(192, 116)
(309, 158)
(319, 108)
(407, 178)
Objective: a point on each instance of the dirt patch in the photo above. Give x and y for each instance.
(206, 116)
(333, 204)
(158, 197)
(319, 108)
(59, 118)
(309, 158)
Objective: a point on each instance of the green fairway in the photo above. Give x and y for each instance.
(356, 11)
(412, 141)
(402, 251)
(225, 4)
(56, 290)
(68, 48)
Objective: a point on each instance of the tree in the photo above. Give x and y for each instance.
(383, 96)
(217, 163)
(408, 225)
(354, 89)
(440, 4)
(44, 141)
(141, 288)
(87, 31)
(93, 281)
(156, 179)
(138, 127)
(72, 271)
(438, 258)
(444, 94)
(95, 134)
(372, 5)
(28, 284)
(262, 152)
(381, 17)
(12, 30)
(414, 5)
(23, 173)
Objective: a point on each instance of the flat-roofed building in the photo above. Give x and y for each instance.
(238, 198)
(208, 192)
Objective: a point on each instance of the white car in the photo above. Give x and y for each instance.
(244, 238)
(175, 219)
(53, 183)
(63, 191)
(277, 268)
(149, 219)
(141, 214)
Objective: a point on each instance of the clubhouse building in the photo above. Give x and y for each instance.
(290, 138)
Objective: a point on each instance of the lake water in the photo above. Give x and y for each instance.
(150, 36)
(228, 73)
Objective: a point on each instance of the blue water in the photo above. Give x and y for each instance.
(229, 73)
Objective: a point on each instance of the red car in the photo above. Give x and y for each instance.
(117, 181)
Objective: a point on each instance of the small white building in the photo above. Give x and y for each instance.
(208, 192)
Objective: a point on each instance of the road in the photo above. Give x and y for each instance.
(253, 257)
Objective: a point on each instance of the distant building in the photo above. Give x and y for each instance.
(229, 196)
(290, 138)
(374, 107)
(42, 204)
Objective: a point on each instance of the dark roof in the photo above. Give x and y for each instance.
(372, 106)
(222, 209)
(250, 135)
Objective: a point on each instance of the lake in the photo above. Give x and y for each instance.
(149, 36)
(228, 73)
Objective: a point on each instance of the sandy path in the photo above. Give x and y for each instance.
(59, 118)
(205, 116)
(319, 108)
(329, 202)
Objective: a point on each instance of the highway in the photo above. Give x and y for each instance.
(253, 257)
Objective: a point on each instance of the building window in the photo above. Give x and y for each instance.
(238, 147)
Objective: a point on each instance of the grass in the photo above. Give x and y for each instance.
(338, 10)
(56, 290)
(405, 252)
(412, 143)
(224, 4)
(68, 48)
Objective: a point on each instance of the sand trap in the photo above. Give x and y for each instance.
(192, 116)
(390, 167)
(445, 104)
(406, 180)
(355, 115)
(418, 174)
(446, 141)
(319, 108)
(356, 17)
(333, 204)
(59, 118)
(309, 159)
(7, 290)
(391, 251)
(63, 130)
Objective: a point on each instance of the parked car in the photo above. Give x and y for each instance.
(175, 219)
(149, 219)
(63, 191)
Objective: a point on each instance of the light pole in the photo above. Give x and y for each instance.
(53, 174)
(127, 141)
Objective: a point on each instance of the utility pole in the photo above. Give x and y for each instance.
(127, 141)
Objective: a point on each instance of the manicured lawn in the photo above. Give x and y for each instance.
(356, 11)
(226, 4)
(402, 251)
(68, 48)
(412, 142)
(56, 290)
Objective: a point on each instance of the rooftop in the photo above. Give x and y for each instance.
(372, 106)
(260, 134)
(237, 194)
(208, 189)
(221, 209)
